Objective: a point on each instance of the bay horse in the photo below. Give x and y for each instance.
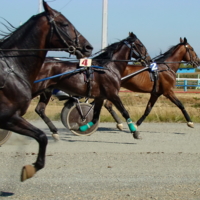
(104, 83)
(22, 54)
(162, 84)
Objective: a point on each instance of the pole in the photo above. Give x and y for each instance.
(40, 8)
(104, 24)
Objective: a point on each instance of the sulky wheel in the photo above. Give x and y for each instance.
(68, 105)
(72, 117)
(4, 136)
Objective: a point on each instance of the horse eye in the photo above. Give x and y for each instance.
(64, 25)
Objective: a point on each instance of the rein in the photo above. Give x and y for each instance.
(147, 68)
(51, 49)
(68, 72)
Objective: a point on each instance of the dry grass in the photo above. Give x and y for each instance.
(163, 110)
(135, 103)
(53, 109)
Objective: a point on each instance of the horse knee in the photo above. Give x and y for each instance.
(39, 111)
(108, 106)
(42, 139)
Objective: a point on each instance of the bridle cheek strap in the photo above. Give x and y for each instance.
(192, 62)
(135, 50)
(130, 46)
(71, 48)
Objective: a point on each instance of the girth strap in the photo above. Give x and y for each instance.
(89, 76)
(154, 76)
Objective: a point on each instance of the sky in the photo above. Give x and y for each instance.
(159, 24)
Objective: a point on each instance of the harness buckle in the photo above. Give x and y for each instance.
(71, 49)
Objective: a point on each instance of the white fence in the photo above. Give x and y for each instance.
(188, 82)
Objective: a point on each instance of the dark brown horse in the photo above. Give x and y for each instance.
(160, 82)
(22, 54)
(104, 83)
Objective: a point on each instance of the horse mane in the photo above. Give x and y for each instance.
(10, 28)
(162, 57)
(16, 33)
(106, 56)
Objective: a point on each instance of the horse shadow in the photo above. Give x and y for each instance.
(102, 129)
(6, 194)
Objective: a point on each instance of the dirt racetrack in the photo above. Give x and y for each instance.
(109, 164)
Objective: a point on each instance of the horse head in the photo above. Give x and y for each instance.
(64, 34)
(139, 51)
(190, 55)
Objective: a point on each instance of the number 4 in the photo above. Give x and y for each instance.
(85, 62)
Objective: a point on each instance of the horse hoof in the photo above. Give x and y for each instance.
(190, 124)
(136, 135)
(120, 127)
(28, 171)
(55, 137)
(136, 126)
(74, 126)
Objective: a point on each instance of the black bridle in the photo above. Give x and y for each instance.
(72, 49)
(192, 61)
(134, 49)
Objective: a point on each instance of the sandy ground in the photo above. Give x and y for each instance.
(109, 164)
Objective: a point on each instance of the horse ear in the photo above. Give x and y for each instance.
(181, 40)
(47, 8)
(185, 40)
(131, 34)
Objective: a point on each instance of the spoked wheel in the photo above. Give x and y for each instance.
(64, 113)
(4, 136)
(71, 118)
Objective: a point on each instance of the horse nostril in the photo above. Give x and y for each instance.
(88, 47)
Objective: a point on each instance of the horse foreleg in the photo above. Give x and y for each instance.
(98, 103)
(118, 104)
(40, 110)
(150, 104)
(172, 97)
(19, 125)
(108, 106)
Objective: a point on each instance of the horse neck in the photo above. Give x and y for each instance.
(51, 68)
(28, 36)
(122, 54)
(176, 57)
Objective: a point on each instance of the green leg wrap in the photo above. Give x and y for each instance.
(86, 126)
(131, 125)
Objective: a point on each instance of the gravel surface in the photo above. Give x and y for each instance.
(109, 164)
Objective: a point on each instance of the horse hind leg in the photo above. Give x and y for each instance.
(40, 110)
(21, 126)
(150, 104)
(108, 106)
(177, 102)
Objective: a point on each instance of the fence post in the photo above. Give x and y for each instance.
(198, 83)
(185, 85)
